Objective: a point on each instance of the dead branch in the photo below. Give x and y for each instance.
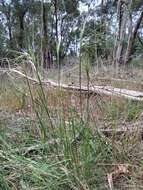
(101, 90)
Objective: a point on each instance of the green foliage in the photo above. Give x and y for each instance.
(71, 7)
(113, 111)
(137, 4)
(137, 63)
(127, 111)
(133, 110)
(22, 28)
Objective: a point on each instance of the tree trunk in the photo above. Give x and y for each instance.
(10, 33)
(21, 14)
(56, 18)
(132, 38)
(7, 12)
(122, 29)
(46, 53)
(10, 30)
(56, 29)
(21, 32)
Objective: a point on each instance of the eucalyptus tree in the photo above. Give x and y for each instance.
(137, 9)
(6, 10)
(20, 10)
(97, 34)
(65, 20)
(51, 28)
(130, 16)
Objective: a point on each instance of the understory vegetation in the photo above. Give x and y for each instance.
(46, 144)
(71, 95)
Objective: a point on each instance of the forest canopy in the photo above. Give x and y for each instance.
(113, 29)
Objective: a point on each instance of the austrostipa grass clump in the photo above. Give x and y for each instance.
(71, 158)
(49, 144)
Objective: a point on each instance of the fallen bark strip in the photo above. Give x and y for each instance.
(101, 90)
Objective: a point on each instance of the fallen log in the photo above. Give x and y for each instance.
(101, 90)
